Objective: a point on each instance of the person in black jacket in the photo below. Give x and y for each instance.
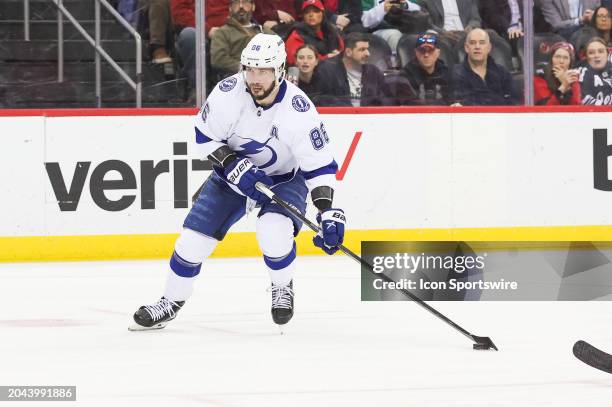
(479, 80)
(503, 16)
(347, 79)
(429, 77)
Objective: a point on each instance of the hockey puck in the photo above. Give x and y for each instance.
(480, 346)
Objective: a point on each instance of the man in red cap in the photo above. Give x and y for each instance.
(314, 30)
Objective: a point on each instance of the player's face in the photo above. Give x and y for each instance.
(597, 55)
(261, 81)
(306, 60)
(561, 59)
(313, 16)
(477, 46)
(361, 53)
(427, 56)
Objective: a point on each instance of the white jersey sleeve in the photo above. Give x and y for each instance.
(215, 119)
(311, 146)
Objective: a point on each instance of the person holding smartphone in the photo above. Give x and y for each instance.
(558, 83)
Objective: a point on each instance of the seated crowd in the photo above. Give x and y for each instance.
(402, 52)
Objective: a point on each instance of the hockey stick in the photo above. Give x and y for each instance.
(592, 356)
(480, 342)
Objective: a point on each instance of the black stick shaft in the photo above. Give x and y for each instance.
(266, 191)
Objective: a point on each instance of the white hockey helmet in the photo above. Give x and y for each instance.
(265, 51)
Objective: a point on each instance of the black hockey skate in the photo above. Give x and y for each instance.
(282, 303)
(155, 316)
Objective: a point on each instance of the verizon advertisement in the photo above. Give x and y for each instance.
(65, 176)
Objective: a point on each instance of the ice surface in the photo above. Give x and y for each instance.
(66, 324)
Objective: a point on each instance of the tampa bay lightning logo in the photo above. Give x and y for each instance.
(228, 84)
(300, 103)
(254, 147)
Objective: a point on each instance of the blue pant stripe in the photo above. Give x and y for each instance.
(279, 263)
(183, 268)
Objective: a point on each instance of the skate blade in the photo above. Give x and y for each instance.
(135, 327)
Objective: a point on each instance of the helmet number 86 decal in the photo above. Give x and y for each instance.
(318, 137)
(256, 47)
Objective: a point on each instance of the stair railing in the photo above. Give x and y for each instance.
(95, 43)
(100, 52)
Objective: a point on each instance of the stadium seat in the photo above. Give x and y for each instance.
(541, 46)
(380, 53)
(581, 37)
(518, 82)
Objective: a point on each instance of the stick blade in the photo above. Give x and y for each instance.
(592, 356)
(483, 343)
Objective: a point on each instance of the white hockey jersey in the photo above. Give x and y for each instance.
(281, 139)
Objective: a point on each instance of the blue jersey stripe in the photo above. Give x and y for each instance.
(201, 138)
(330, 168)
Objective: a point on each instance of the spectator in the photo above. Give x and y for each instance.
(602, 22)
(505, 17)
(567, 16)
(453, 18)
(129, 10)
(428, 75)
(347, 79)
(558, 83)
(596, 76)
(315, 30)
(183, 14)
(375, 18)
(344, 14)
(599, 27)
(479, 80)
(158, 12)
(183, 18)
(227, 43)
(306, 60)
(276, 15)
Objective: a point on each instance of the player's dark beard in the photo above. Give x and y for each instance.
(266, 92)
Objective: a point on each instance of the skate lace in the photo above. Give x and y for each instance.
(281, 296)
(162, 308)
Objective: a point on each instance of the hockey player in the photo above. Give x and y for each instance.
(255, 127)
